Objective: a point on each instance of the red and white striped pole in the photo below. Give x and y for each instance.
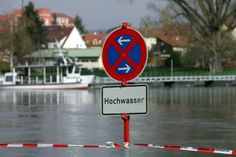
(118, 146)
(45, 145)
(126, 139)
(192, 149)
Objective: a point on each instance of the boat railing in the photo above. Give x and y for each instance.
(1, 79)
(37, 80)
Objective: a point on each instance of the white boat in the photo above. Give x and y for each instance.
(66, 77)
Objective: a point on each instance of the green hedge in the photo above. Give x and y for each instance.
(4, 67)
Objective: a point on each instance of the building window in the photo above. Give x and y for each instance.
(95, 42)
(55, 45)
(46, 22)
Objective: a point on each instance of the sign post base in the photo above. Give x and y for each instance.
(126, 140)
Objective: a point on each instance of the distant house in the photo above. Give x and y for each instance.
(162, 41)
(166, 38)
(16, 15)
(150, 42)
(149, 37)
(95, 39)
(47, 16)
(63, 19)
(167, 42)
(68, 38)
(3, 18)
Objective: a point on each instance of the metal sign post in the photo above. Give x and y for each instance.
(124, 58)
(126, 138)
(124, 100)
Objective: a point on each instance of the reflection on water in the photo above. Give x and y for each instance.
(201, 117)
(211, 96)
(27, 97)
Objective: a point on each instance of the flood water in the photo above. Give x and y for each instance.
(186, 116)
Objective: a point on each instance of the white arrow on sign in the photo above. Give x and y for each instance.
(121, 40)
(127, 68)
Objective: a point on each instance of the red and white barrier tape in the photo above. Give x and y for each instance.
(192, 149)
(32, 145)
(118, 146)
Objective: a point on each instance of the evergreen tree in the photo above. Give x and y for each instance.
(54, 20)
(79, 25)
(34, 25)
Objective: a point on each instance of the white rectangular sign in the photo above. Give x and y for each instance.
(131, 99)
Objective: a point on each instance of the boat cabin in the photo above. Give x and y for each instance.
(10, 78)
(35, 74)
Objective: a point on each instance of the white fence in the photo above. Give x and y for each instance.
(1, 79)
(104, 80)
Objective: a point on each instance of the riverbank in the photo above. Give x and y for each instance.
(152, 72)
(166, 81)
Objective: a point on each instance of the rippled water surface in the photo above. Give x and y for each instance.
(199, 117)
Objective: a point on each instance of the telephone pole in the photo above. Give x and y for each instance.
(11, 42)
(22, 4)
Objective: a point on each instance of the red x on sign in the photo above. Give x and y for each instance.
(124, 54)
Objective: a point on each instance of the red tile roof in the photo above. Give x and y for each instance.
(170, 35)
(172, 39)
(90, 37)
(3, 18)
(18, 11)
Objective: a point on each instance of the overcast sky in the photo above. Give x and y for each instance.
(96, 14)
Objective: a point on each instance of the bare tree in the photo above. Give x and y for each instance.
(23, 42)
(212, 22)
(4, 36)
(15, 41)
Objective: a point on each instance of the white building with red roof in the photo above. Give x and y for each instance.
(68, 38)
(95, 39)
(63, 19)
